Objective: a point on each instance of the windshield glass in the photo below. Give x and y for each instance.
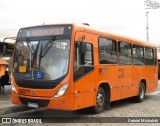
(41, 59)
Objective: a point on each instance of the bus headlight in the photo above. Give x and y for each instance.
(62, 90)
(13, 87)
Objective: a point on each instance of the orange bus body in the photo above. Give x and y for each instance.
(120, 81)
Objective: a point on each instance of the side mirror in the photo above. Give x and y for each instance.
(81, 46)
(77, 44)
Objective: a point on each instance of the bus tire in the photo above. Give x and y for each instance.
(141, 93)
(100, 101)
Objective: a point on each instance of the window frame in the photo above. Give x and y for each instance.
(78, 75)
(113, 41)
(137, 55)
(131, 58)
(153, 62)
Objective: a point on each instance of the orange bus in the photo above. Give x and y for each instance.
(70, 67)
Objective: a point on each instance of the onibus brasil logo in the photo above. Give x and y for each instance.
(152, 4)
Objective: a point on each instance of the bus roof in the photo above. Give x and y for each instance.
(117, 37)
(87, 28)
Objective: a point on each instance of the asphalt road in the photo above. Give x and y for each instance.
(119, 113)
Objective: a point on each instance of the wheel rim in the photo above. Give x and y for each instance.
(100, 100)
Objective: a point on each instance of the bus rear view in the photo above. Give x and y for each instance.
(41, 66)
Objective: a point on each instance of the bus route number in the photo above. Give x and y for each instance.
(24, 91)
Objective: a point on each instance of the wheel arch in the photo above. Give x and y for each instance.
(107, 90)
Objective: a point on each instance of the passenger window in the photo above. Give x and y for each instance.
(107, 51)
(138, 55)
(155, 56)
(124, 53)
(149, 56)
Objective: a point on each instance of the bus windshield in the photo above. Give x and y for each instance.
(41, 59)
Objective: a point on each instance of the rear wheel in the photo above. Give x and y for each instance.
(100, 101)
(141, 94)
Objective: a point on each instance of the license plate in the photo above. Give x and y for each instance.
(24, 92)
(33, 105)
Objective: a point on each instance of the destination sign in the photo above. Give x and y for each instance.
(45, 31)
(53, 31)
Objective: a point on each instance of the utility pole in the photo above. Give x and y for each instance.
(147, 27)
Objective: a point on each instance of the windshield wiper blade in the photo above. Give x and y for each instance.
(47, 47)
(44, 50)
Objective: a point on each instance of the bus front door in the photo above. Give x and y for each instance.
(84, 73)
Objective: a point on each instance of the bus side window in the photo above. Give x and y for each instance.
(83, 54)
(107, 51)
(155, 56)
(83, 59)
(138, 55)
(149, 56)
(125, 53)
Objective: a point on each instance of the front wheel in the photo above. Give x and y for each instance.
(141, 93)
(100, 101)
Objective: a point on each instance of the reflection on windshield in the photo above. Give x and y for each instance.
(44, 60)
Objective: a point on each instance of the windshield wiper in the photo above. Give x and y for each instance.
(44, 50)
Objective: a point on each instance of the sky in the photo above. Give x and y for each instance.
(123, 17)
